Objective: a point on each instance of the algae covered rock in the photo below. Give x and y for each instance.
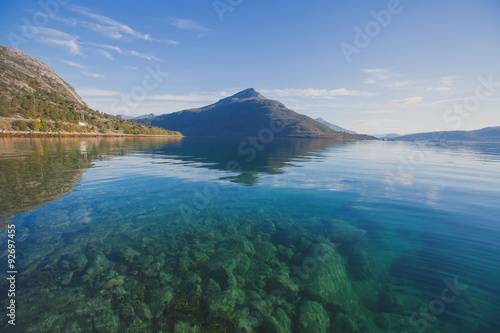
(159, 298)
(282, 283)
(105, 321)
(326, 280)
(279, 322)
(182, 327)
(225, 302)
(312, 317)
(341, 232)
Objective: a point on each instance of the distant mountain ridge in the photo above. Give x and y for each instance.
(488, 134)
(245, 113)
(387, 135)
(334, 127)
(127, 117)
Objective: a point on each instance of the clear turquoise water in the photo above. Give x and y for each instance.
(151, 235)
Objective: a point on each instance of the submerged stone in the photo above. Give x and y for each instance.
(182, 327)
(324, 279)
(159, 298)
(312, 317)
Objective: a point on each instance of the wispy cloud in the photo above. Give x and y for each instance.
(68, 21)
(74, 64)
(385, 78)
(446, 84)
(105, 54)
(107, 26)
(56, 37)
(186, 24)
(406, 101)
(94, 75)
(123, 52)
(316, 93)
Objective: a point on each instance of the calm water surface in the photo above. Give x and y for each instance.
(185, 235)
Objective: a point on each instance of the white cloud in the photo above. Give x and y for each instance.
(68, 21)
(94, 75)
(186, 24)
(406, 101)
(385, 78)
(105, 54)
(107, 26)
(123, 52)
(74, 64)
(167, 41)
(55, 37)
(142, 55)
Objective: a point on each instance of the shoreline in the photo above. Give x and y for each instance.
(6, 133)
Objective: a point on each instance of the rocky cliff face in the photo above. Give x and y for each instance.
(21, 73)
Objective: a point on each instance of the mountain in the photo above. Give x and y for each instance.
(246, 113)
(33, 98)
(149, 115)
(489, 134)
(334, 127)
(387, 136)
(125, 117)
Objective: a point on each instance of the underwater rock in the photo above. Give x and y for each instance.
(266, 227)
(144, 312)
(324, 278)
(77, 261)
(225, 302)
(278, 323)
(192, 284)
(45, 325)
(122, 253)
(200, 257)
(312, 317)
(284, 284)
(145, 260)
(114, 282)
(212, 288)
(347, 324)
(165, 278)
(138, 326)
(99, 266)
(284, 253)
(127, 314)
(182, 327)
(340, 232)
(105, 321)
(244, 320)
(66, 278)
(159, 298)
(265, 251)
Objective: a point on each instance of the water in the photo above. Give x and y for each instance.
(185, 235)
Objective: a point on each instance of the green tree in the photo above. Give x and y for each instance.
(34, 125)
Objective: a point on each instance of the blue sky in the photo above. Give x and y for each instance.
(373, 67)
